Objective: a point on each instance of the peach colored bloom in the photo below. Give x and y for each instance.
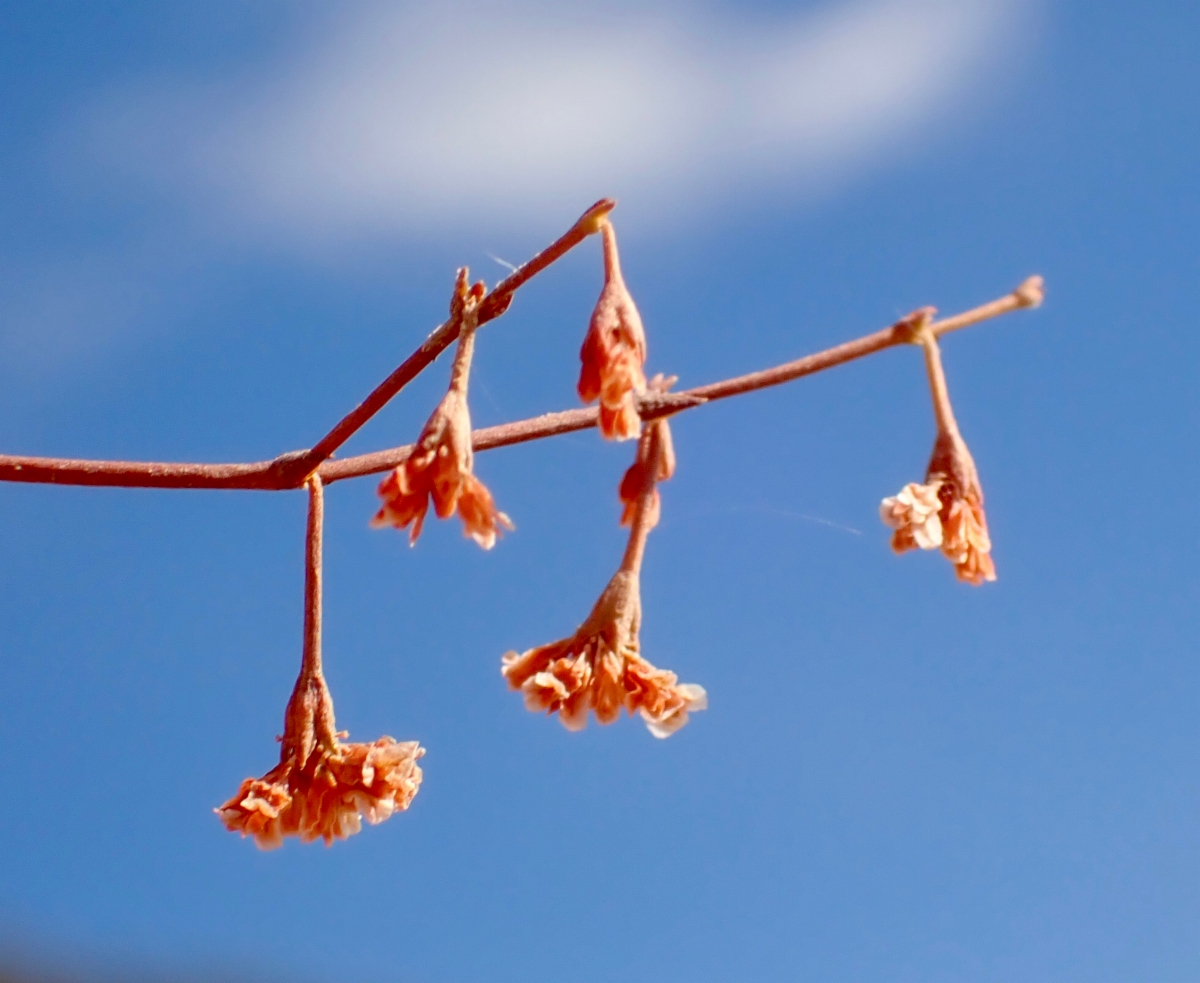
(965, 540)
(913, 514)
(440, 467)
(442, 461)
(262, 808)
(614, 351)
(599, 669)
(322, 788)
(355, 782)
(329, 795)
(959, 525)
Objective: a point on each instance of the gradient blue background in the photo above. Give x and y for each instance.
(900, 778)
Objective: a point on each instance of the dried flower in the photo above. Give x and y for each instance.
(599, 669)
(965, 539)
(321, 788)
(614, 351)
(351, 782)
(947, 510)
(442, 461)
(262, 808)
(327, 796)
(913, 513)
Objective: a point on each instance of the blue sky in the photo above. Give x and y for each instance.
(225, 223)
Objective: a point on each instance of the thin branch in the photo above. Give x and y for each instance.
(260, 476)
(1028, 294)
(309, 719)
(650, 407)
(943, 410)
(491, 307)
(278, 475)
(314, 534)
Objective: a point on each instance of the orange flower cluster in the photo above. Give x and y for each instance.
(599, 669)
(614, 351)
(328, 795)
(965, 539)
(441, 465)
(946, 511)
(321, 788)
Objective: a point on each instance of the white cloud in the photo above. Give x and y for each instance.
(407, 119)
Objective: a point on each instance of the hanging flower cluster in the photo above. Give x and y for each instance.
(322, 788)
(327, 797)
(599, 668)
(614, 350)
(946, 512)
(441, 465)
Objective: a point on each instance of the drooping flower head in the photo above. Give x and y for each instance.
(946, 511)
(614, 350)
(599, 668)
(326, 794)
(322, 788)
(965, 539)
(441, 464)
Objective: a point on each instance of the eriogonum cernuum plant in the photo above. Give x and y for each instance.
(946, 511)
(441, 464)
(599, 668)
(322, 788)
(614, 350)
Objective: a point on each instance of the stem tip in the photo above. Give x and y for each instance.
(591, 221)
(1032, 292)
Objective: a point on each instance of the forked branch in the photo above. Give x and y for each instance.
(323, 787)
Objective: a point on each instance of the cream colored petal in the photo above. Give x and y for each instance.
(664, 727)
(928, 535)
(695, 694)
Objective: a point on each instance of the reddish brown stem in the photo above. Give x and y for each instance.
(1028, 294)
(639, 529)
(943, 411)
(312, 576)
(635, 548)
(612, 258)
(309, 718)
(278, 475)
(460, 372)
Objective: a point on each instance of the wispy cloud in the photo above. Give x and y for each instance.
(385, 120)
(407, 118)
